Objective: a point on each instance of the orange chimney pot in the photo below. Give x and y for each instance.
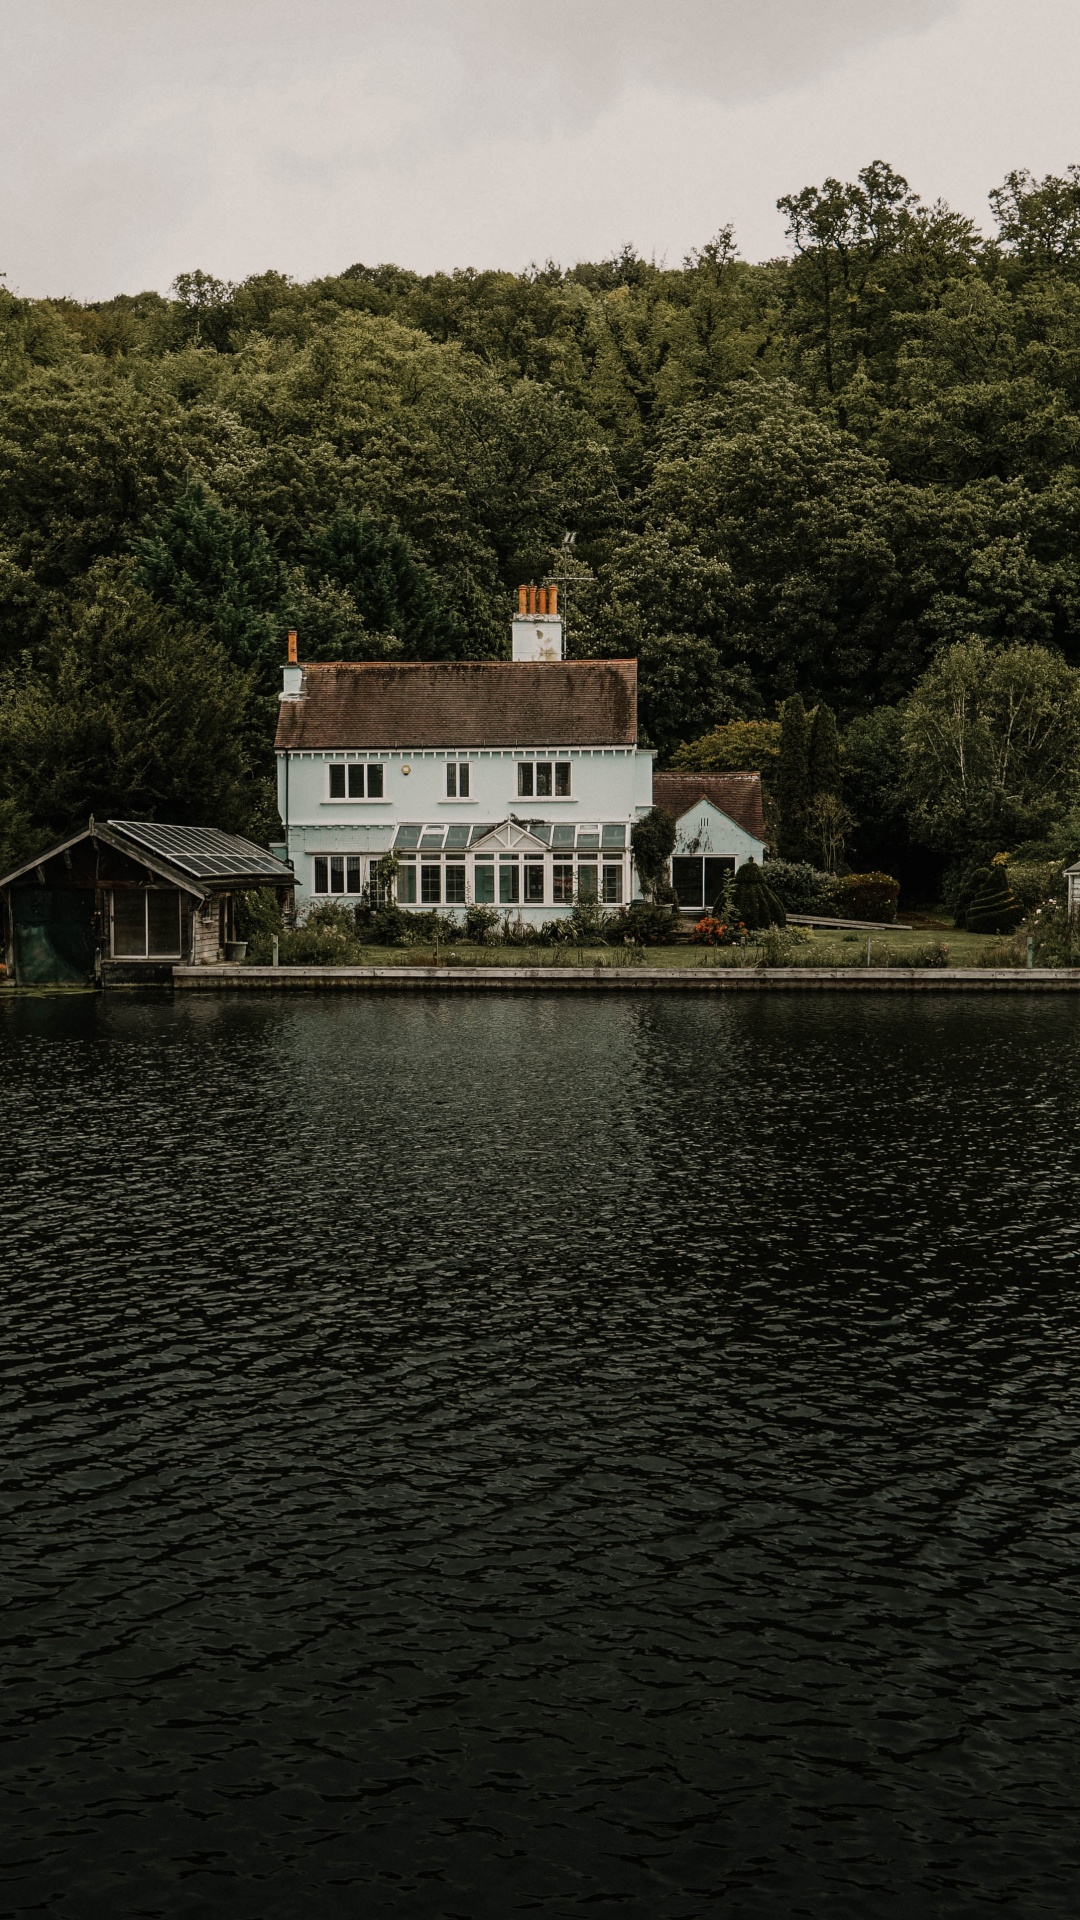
(532, 600)
(523, 595)
(292, 646)
(553, 600)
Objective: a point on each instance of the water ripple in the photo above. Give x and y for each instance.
(484, 1458)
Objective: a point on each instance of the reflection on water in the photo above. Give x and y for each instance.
(480, 1458)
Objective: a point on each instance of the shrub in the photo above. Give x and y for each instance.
(589, 923)
(801, 888)
(934, 954)
(752, 900)
(644, 923)
(780, 946)
(480, 924)
(991, 905)
(653, 841)
(326, 937)
(554, 933)
(385, 926)
(1036, 883)
(867, 896)
(713, 932)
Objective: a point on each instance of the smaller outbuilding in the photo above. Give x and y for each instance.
(127, 901)
(721, 824)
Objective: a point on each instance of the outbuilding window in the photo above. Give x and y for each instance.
(148, 924)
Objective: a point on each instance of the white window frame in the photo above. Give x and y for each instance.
(458, 769)
(556, 764)
(334, 893)
(347, 799)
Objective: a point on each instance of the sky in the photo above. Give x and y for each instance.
(143, 138)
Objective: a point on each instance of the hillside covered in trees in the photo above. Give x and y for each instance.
(818, 475)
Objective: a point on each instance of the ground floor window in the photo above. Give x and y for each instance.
(455, 886)
(406, 883)
(699, 879)
(509, 882)
(562, 882)
(613, 886)
(148, 923)
(534, 882)
(431, 885)
(338, 873)
(587, 881)
(484, 883)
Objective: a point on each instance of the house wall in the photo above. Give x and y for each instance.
(608, 785)
(705, 830)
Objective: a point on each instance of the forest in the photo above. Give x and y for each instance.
(847, 477)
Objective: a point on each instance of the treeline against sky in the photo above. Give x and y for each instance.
(808, 475)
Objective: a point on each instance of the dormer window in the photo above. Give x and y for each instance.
(540, 779)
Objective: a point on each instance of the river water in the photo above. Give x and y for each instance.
(529, 1456)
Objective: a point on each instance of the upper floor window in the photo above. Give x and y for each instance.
(540, 779)
(457, 780)
(355, 781)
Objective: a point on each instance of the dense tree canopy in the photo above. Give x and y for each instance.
(815, 476)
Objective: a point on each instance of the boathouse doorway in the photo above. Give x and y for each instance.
(55, 935)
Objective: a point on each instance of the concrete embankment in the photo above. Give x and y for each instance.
(630, 979)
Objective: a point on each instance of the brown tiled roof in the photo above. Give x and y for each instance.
(462, 703)
(736, 794)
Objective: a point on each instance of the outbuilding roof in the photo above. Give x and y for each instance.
(204, 852)
(461, 703)
(190, 857)
(736, 794)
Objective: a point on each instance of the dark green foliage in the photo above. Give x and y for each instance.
(132, 714)
(645, 923)
(991, 905)
(800, 887)
(217, 571)
(753, 899)
(392, 591)
(867, 896)
(652, 839)
(793, 790)
(824, 757)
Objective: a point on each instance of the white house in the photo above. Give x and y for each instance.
(509, 782)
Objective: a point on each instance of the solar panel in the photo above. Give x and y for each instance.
(204, 852)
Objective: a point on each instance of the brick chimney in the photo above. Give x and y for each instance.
(537, 632)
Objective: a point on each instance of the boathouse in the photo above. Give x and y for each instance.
(126, 901)
(514, 783)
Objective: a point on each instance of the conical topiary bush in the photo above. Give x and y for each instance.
(754, 900)
(992, 906)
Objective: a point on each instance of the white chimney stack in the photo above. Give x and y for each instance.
(537, 628)
(293, 673)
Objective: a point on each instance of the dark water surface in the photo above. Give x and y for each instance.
(518, 1456)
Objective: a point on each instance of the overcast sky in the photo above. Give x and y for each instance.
(141, 138)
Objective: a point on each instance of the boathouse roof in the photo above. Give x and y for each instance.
(461, 703)
(736, 794)
(195, 858)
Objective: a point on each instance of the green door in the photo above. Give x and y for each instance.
(55, 937)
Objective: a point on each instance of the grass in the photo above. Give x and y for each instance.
(819, 949)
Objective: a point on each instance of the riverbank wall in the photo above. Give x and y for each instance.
(623, 978)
